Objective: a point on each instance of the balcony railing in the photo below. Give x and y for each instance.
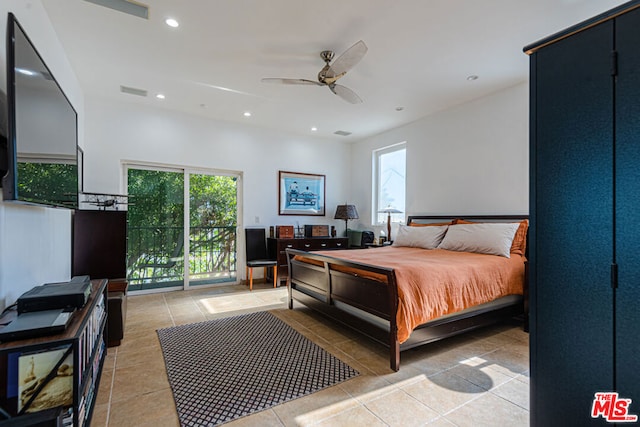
(155, 256)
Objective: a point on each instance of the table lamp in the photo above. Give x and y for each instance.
(346, 212)
(389, 210)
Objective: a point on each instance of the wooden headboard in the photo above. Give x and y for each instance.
(427, 219)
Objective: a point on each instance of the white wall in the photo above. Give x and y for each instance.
(35, 242)
(470, 159)
(119, 131)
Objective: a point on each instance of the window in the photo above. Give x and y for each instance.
(389, 176)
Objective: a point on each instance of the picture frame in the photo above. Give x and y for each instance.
(45, 379)
(301, 193)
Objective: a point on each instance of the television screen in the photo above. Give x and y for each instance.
(42, 158)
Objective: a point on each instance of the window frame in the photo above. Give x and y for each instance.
(376, 155)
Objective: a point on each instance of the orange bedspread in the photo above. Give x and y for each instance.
(433, 283)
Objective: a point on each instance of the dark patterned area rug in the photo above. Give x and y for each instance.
(227, 368)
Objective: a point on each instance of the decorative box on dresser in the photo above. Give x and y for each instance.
(83, 343)
(585, 221)
(277, 247)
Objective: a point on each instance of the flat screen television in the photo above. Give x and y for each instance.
(42, 129)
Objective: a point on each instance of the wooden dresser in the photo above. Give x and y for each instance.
(277, 248)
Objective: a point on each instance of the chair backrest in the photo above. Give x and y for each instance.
(256, 243)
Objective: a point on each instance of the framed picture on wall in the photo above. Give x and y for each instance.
(301, 193)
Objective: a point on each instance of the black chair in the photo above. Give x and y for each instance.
(256, 244)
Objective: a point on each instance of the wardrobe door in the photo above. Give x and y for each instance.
(628, 208)
(572, 209)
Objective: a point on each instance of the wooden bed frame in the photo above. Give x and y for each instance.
(370, 306)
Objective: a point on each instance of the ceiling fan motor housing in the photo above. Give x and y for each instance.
(327, 55)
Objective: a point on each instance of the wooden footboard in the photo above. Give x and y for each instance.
(324, 289)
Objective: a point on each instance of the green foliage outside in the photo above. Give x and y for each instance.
(156, 218)
(50, 183)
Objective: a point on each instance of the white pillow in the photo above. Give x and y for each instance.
(485, 238)
(420, 237)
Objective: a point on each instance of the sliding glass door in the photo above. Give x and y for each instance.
(212, 228)
(181, 228)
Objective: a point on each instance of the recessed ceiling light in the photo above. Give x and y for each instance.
(172, 22)
(472, 77)
(313, 129)
(399, 108)
(247, 114)
(160, 96)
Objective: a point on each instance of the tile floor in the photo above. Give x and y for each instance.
(477, 379)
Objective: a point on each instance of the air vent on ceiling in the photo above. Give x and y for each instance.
(342, 133)
(129, 7)
(133, 91)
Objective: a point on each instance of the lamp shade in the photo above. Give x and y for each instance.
(390, 210)
(346, 212)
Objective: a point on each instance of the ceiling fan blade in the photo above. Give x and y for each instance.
(348, 59)
(291, 81)
(346, 94)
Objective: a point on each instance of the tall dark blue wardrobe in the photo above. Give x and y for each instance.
(584, 258)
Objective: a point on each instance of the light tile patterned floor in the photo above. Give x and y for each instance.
(477, 379)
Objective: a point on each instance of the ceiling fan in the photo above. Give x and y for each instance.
(330, 74)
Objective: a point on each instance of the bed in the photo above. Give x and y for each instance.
(383, 294)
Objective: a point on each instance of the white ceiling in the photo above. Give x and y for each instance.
(420, 55)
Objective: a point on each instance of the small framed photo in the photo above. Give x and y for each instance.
(45, 379)
(301, 193)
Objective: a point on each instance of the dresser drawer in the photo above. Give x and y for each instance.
(338, 243)
(278, 247)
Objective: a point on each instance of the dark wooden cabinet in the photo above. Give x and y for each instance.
(277, 247)
(100, 244)
(585, 218)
